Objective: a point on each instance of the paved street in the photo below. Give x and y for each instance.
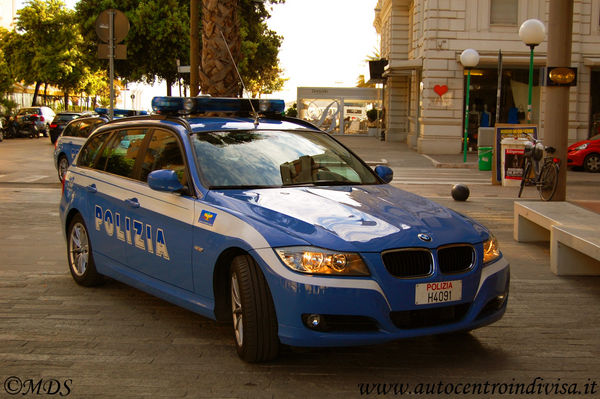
(115, 341)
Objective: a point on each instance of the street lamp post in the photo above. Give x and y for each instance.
(469, 59)
(532, 32)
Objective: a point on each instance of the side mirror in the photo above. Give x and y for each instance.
(164, 180)
(385, 173)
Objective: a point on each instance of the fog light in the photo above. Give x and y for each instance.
(313, 321)
(500, 299)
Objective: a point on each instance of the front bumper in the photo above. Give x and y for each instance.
(386, 316)
(575, 158)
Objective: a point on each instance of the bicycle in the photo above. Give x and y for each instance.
(545, 176)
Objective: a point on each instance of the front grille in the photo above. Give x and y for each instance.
(456, 259)
(408, 263)
(431, 317)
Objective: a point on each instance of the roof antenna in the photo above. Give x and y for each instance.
(255, 114)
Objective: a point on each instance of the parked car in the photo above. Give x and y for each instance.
(585, 154)
(33, 121)
(71, 139)
(60, 121)
(271, 223)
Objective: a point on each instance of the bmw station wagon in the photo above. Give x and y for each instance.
(273, 224)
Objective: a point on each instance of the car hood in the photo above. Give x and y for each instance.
(349, 218)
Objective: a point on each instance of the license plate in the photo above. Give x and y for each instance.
(438, 292)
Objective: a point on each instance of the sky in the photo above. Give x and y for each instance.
(325, 44)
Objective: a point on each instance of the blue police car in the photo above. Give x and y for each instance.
(271, 223)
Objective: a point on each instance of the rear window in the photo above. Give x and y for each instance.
(65, 117)
(29, 111)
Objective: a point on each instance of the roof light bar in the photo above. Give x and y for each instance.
(119, 112)
(197, 105)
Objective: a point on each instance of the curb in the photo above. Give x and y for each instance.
(451, 165)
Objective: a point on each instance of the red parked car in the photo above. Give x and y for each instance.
(585, 154)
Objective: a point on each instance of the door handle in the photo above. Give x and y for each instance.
(133, 202)
(92, 188)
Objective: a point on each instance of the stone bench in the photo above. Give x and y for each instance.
(573, 233)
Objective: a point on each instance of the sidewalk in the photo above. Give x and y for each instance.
(398, 154)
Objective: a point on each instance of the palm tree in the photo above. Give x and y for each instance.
(218, 76)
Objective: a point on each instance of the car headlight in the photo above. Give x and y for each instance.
(582, 147)
(314, 260)
(491, 251)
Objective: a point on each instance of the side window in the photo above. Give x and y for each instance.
(90, 150)
(85, 128)
(71, 129)
(163, 153)
(122, 152)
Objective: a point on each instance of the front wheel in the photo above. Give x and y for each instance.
(592, 163)
(79, 254)
(254, 318)
(548, 181)
(525, 176)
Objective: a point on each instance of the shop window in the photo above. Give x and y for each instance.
(504, 12)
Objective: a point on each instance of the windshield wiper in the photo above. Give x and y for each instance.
(321, 183)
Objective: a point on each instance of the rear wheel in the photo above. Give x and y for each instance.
(79, 254)
(548, 181)
(254, 318)
(591, 163)
(32, 133)
(63, 164)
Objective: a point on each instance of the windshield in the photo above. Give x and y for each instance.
(239, 159)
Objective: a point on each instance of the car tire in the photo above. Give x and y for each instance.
(591, 163)
(63, 165)
(79, 254)
(253, 312)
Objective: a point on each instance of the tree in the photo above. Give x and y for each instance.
(221, 48)
(70, 72)
(253, 46)
(259, 66)
(374, 56)
(43, 50)
(158, 35)
(6, 79)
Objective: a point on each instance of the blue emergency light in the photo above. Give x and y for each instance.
(198, 105)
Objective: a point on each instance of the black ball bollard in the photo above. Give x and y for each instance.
(460, 192)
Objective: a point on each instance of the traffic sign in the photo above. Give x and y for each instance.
(120, 25)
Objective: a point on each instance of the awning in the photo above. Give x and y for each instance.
(591, 62)
(403, 67)
(488, 59)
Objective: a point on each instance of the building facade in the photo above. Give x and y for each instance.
(8, 10)
(424, 92)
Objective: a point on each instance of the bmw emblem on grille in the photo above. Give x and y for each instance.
(424, 237)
